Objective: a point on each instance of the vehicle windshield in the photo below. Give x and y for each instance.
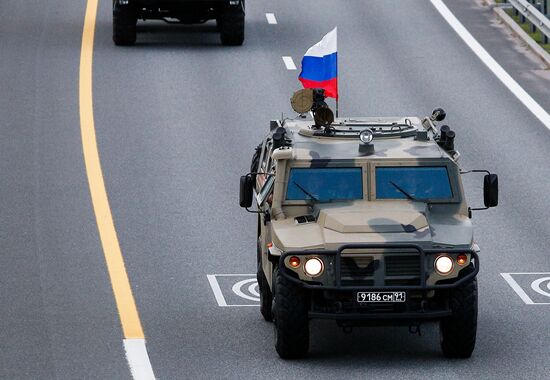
(413, 182)
(325, 184)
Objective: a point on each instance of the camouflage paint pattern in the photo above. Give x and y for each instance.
(430, 224)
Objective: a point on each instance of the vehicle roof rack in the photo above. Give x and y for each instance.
(352, 130)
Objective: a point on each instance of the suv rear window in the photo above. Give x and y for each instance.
(325, 184)
(413, 182)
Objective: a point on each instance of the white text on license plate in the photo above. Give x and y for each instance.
(381, 296)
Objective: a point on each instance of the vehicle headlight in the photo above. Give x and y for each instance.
(443, 265)
(313, 267)
(366, 136)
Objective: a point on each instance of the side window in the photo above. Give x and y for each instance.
(264, 181)
(264, 167)
(266, 161)
(265, 192)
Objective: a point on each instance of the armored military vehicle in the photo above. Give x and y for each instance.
(363, 221)
(229, 16)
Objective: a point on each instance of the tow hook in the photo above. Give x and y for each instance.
(415, 329)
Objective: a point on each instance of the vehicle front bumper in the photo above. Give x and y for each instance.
(337, 300)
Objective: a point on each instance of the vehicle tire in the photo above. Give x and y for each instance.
(291, 306)
(231, 25)
(458, 332)
(266, 298)
(124, 24)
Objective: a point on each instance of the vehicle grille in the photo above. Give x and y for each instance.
(357, 270)
(402, 265)
(367, 269)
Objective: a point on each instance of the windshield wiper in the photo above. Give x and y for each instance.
(306, 192)
(403, 191)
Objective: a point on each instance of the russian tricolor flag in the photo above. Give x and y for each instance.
(320, 66)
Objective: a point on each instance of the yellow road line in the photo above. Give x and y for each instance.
(124, 298)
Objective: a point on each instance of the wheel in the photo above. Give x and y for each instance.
(231, 25)
(124, 24)
(458, 332)
(291, 305)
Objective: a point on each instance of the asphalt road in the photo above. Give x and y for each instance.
(177, 118)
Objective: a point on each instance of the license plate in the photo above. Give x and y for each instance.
(383, 297)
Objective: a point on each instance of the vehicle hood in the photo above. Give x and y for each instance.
(373, 222)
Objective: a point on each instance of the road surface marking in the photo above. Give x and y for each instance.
(236, 288)
(289, 63)
(254, 287)
(138, 359)
(220, 299)
(129, 317)
(536, 285)
(517, 288)
(271, 18)
(492, 64)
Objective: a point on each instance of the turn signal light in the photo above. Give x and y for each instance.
(294, 262)
(461, 259)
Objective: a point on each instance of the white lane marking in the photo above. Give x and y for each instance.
(289, 63)
(216, 289)
(237, 289)
(536, 286)
(251, 305)
(271, 18)
(493, 65)
(138, 359)
(514, 285)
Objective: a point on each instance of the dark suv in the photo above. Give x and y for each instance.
(229, 16)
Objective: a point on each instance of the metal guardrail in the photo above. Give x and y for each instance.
(537, 12)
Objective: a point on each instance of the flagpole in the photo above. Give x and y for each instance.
(337, 92)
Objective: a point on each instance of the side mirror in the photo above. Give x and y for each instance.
(246, 191)
(490, 190)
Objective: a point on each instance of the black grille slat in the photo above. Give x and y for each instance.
(356, 282)
(397, 282)
(356, 267)
(403, 265)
